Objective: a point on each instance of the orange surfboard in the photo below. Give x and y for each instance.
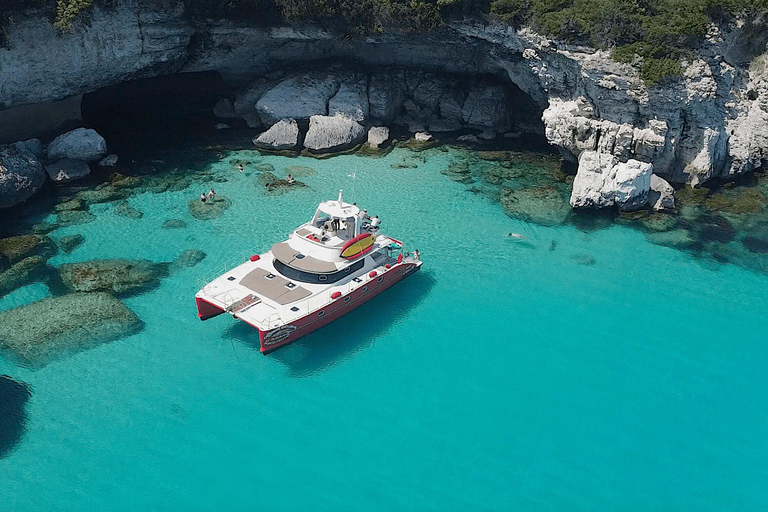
(358, 246)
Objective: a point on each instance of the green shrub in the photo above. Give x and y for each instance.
(67, 11)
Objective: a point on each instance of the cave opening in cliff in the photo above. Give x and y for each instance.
(145, 113)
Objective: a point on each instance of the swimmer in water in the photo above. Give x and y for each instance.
(240, 167)
(516, 236)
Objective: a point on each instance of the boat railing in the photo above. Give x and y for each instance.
(211, 275)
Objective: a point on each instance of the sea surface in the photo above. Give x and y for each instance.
(575, 370)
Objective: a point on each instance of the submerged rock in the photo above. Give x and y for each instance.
(738, 201)
(16, 248)
(67, 170)
(584, 259)
(118, 276)
(676, 238)
(280, 136)
(24, 272)
(187, 259)
(174, 224)
(80, 144)
(543, 205)
(43, 331)
(124, 209)
(73, 218)
(756, 245)
(21, 176)
(713, 228)
(282, 186)
(336, 132)
(300, 171)
(211, 209)
(70, 243)
(267, 178)
(104, 194)
(265, 167)
(13, 418)
(72, 204)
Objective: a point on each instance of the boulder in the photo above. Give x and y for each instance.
(543, 205)
(451, 106)
(118, 276)
(661, 195)
(378, 135)
(69, 243)
(280, 136)
(67, 170)
(21, 176)
(108, 161)
(351, 99)
(422, 136)
(337, 132)
(632, 183)
(428, 92)
(31, 147)
(298, 97)
(222, 126)
(38, 333)
(487, 106)
(211, 209)
(13, 417)
(80, 144)
(21, 273)
(16, 248)
(386, 94)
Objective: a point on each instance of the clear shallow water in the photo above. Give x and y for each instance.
(501, 376)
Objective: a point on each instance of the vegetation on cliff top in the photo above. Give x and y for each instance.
(652, 34)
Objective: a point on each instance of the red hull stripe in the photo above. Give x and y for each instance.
(276, 338)
(206, 310)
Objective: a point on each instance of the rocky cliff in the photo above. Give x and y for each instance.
(712, 123)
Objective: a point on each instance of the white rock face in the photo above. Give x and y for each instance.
(298, 97)
(351, 98)
(21, 175)
(661, 197)
(594, 186)
(109, 161)
(632, 182)
(67, 170)
(326, 132)
(422, 136)
(378, 135)
(282, 135)
(386, 94)
(602, 181)
(245, 103)
(80, 144)
(486, 106)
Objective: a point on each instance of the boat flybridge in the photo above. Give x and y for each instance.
(326, 268)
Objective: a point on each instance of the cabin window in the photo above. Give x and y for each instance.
(308, 277)
(294, 309)
(346, 299)
(290, 286)
(231, 278)
(365, 289)
(269, 276)
(380, 279)
(321, 313)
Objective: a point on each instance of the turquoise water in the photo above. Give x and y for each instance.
(503, 376)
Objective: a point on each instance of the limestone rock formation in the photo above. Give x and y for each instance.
(67, 170)
(602, 181)
(24, 272)
(378, 135)
(13, 417)
(661, 196)
(211, 209)
(280, 136)
(543, 205)
(21, 175)
(298, 97)
(32, 147)
(67, 244)
(109, 161)
(38, 333)
(486, 107)
(16, 248)
(80, 144)
(332, 132)
(351, 98)
(386, 94)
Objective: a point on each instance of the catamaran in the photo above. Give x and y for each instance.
(326, 268)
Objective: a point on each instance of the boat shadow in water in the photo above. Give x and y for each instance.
(351, 333)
